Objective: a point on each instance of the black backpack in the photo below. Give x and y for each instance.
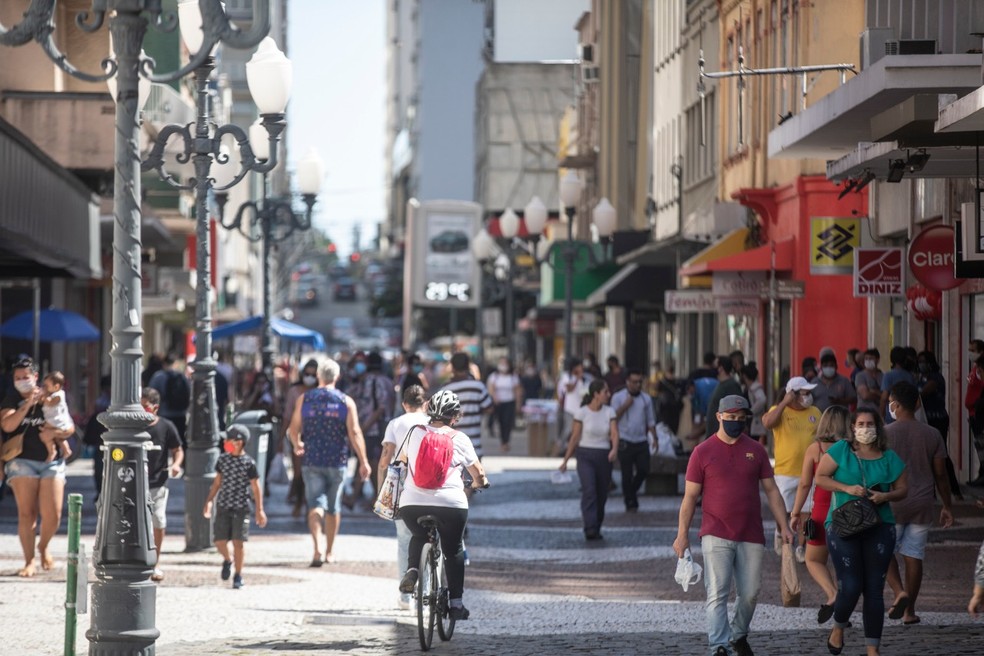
(177, 392)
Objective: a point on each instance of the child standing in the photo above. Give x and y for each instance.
(56, 414)
(235, 476)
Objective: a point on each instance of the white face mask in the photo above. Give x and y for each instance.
(829, 372)
(871, 364)
(310, 381)
(806, 401)
(24, 385)
(973, 355)
(503, 368)
(866, 435)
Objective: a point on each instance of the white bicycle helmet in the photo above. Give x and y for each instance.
(444, 406)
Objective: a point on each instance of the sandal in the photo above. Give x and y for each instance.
(897, 609)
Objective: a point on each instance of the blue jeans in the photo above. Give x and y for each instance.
(726, 561)
(595, 473)
(861, 563)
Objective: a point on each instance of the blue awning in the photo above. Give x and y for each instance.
(280, 327)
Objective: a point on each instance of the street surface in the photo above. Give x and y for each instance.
(534, 585)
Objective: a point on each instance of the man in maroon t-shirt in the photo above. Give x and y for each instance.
(727, 469)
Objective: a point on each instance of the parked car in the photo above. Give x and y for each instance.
(345, 289)
(343, 329)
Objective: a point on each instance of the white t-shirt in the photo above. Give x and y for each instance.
(596, 427)
(397, 429)
(503, 386)
(572, 399)
(57, 415)
(452, 493)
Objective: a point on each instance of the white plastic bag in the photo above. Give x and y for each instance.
(560, 478)
(688, 572)
(666, 441)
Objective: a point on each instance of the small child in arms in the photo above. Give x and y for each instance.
(56, 414)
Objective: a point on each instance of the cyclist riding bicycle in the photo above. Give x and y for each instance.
(448, 502)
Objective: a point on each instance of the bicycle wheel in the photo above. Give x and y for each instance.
(445, 623)
(426, 597)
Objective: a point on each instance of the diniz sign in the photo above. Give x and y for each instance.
(878, 272)
(932, 259)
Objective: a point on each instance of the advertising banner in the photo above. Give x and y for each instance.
(832, 244)
(441, 270)
(878, 272)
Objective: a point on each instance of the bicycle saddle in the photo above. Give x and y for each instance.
(429, 521)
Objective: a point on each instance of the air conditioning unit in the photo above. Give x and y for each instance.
(916, 47)
(875, 44)
(589, 73)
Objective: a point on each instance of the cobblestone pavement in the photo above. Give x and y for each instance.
(534, 586)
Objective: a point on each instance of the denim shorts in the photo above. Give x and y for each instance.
(231, 524)
(323, 488)
(35, 468)
(910, 540)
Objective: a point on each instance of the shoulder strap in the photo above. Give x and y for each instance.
(864, 483)
(407, 439)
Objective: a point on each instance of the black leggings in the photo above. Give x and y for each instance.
(505, 415)
(451, 524)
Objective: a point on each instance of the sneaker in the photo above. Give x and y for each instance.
(403, 603)
(458, 613)
(721, 651)
(409, 581)
(741, 647)
(467, 559)
(226, 569)
(801, 554)
(157, 575)
(777, 543)
(237, 581)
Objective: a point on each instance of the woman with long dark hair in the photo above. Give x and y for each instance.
(850, 470)
(594, 439)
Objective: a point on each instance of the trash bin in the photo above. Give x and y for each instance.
(260, 427)
(540, 415)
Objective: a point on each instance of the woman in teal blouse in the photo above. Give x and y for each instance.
(861, 561)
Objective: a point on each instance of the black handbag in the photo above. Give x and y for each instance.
(855, 516)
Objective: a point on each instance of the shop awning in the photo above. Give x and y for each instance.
(732, 243)
(279, 327)
(634, 284)
(755, 259)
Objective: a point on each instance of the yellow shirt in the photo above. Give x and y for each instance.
(793, 434)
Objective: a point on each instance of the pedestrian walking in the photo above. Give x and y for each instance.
(93, 432)
(323, 429)
(473, 397)
(726, 471)
(972, 399)
(921, 449)
(757, 400)
(793, 422)
(636, 432)
(507, 392)
(867, 382)
(726, 386)
(834, 426)
(571, 388)
(864, 467)
(307, 381)
(172, 384)
(374, 397)
(164, 438)
(976, 603)
(616, 374)
(442, 496)
(898, 372)
(397, 430)
(594, 439)
(228, 498)
(932, 393)
(832, 388)
(38, 483)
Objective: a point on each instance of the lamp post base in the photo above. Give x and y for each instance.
(201, 456)
(124, 611)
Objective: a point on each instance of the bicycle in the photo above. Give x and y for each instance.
(433, 603)
(431, 591)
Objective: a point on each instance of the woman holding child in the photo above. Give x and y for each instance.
(37, 481)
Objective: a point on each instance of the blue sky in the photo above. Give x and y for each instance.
(338, 106)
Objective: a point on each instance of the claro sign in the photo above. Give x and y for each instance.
(931, 258)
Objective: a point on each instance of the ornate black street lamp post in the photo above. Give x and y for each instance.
(124, 599)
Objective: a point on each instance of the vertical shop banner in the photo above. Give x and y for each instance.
(878, 272)
(832, 244)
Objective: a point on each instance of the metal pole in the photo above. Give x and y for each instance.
(266, 220)
(510, 307)
(203, 428)
(36, 339)
(72, 573)
(124, 599)
(569, 287)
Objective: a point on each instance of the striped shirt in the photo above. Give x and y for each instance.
(474, 398)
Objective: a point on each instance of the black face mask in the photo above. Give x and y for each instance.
(635, 393)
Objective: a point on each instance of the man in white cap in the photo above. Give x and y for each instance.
(793, 422)
(728, 470)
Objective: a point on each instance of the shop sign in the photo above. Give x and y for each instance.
(739, 283)
(878, 272)
(931, 258)
(832, 244)
(738, 306)
(492, 322)
(584, 321)
(688, 301)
